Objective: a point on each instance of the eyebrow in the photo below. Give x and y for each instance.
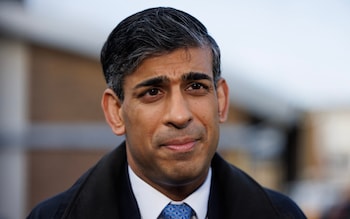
(194, 76)
(156, 81)
(153, 82)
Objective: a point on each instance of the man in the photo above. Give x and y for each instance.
(166, 95)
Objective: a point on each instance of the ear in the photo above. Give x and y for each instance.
(223, 99)
(112, 108)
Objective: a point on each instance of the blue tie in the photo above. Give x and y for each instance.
(179, 211)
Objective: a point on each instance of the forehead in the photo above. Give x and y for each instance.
(173, 65)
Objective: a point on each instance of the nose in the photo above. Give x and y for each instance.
(178, 113)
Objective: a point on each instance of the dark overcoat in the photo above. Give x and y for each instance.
(104, 191)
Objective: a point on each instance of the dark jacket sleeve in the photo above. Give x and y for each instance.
(285, 206)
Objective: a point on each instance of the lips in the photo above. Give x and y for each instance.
(180, 145)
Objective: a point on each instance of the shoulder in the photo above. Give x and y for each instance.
(239, 188)
(56, 206)
(284, 205)
(50, 208)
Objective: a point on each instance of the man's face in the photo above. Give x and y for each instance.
(170, 116)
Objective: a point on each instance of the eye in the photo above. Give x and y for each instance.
(151, 95)
(197, 88)
(152, 92)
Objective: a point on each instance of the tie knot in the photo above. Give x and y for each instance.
(176, 211)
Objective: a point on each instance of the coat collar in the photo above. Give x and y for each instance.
(236, 195)
(105, 192)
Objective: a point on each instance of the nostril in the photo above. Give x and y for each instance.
(180, 125)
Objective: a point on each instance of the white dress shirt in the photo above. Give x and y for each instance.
(151, 202)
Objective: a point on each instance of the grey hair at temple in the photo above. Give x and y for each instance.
(150, 33)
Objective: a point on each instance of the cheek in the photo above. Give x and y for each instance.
(206, 111)
(140, 120)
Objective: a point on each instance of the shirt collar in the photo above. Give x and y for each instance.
(151, 202)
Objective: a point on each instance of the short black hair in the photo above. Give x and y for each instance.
(149, 33)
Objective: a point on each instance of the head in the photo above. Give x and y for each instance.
(166, 96)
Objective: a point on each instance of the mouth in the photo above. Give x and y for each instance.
(178, 145)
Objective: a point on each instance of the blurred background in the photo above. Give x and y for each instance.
(287, 64)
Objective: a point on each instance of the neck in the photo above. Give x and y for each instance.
(179, 191)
